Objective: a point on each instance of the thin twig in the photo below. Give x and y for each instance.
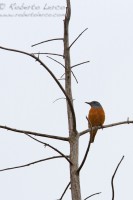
(46, 41)
(92, 195)
(64, 191)
(53, 54)
(77, 37)
(80, 64)
(56, 61)
(61, 79)
(50, 146)
(62, 75)
(31, 163)
(58, 99)
(53, 76)
(88, 148)
(105, 126)
(112, 180)
(34, 133)
(74, 76)
(64, 67)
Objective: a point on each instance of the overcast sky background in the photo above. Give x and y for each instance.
(27, 93)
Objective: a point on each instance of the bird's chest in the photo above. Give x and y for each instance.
(96, 116)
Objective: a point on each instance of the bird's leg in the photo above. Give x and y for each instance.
(87, 118)
(101, 126)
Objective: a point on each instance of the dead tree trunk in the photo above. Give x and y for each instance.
(73, 135)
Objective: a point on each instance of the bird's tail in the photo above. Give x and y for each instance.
(92, 135)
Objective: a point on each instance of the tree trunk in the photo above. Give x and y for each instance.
(73, 135)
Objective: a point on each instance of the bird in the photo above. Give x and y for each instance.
(96, 117)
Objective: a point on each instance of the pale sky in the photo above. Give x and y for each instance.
(28, 91)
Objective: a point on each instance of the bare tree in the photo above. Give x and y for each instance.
(74, 135)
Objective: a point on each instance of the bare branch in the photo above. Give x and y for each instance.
(31, 163)
(56, 61)
(64, 67)
(74, 76)
(34, 133)
(62, 75)
(92, 195)
(53, 54)
(61, 79)
(78, 37)
(53, 76)
(46, 41)
(50, 146)
(112, 180)
(105, 126)
(88, 148)
(58, 99)
(80, 64)
(65, 191)
(59, 137)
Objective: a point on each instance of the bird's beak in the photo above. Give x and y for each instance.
(88, 103)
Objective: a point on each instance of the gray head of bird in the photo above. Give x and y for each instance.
(94, 104)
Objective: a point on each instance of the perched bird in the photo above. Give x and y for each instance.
(96, 117)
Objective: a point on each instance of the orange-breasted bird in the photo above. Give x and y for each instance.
(96, 117)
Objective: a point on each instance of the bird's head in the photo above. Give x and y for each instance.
(94, 104)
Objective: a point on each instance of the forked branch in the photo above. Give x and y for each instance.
(50, 146)
(51, 73)
(64, 67)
